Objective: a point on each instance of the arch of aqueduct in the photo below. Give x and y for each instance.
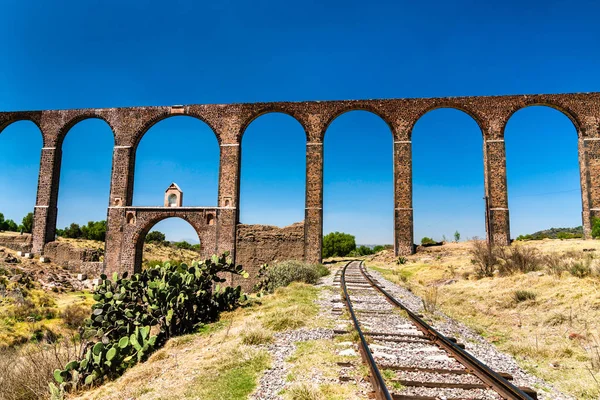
(217, 226)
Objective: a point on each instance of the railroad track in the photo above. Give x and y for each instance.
(419, 363)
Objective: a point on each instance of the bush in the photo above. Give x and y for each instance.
(27, 223)
(135, 316)
(484, 258)
(74, 315)
(72, 232)
(596, 228)
(94, 230)
(581, 268)
(183, 245)
(518, 259)
(155, 237)
(25, 372)
(555, 263)
(427, 240)
(523, 295)
(337, 244)
(286, 272)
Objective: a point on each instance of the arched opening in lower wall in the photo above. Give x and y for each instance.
(172, 239)
(358, 190)
(542, 167)
(20, 145)
(448, 177)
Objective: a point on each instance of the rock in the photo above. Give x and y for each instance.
(10, 259)
(28, 255)
(16, 278)
(81, 277)
(20, 253)
(348, 352)
(44, 259)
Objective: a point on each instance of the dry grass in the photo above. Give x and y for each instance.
(553, 333)
(214, 363)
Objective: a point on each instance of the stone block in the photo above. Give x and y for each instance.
(28, 255)
(81, 277)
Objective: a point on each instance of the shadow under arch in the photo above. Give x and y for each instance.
(447, 175)
(358, 181)
(85, 171)
(21, 142)
(544, 183)
(273, 158)
(180, 149)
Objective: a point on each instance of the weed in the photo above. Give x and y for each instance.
(581, 268)
(520, 296)
(303, 391)
(518, 258)
(430, 299)
(256, 336)
(484, 259)
(555, 263)
(74, 315)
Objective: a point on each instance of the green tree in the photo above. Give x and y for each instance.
(2, 223)
(183, 245)
(596, 228)
(456, 236)
(73, 231)
(155, 237)
(428, 240)
(27, 223)
(94, 230)
(378, 248)
(338, 244)
(10, 225)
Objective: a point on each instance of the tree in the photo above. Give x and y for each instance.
(378, 248)
(155, 237)
(10, 225)
(338, 244)
(456, 236)
(183, 245)
(73, 231)
(27, 223)
(427, 240)
(596, 228)
(2, 223)
(94, 230)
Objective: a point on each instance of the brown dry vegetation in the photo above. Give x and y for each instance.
(548, 320)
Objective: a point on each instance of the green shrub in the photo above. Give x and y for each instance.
(134, 316)
(286, 272)
(155, 237)
(596, 228)
(401, 260)
(523, 295)
(338, 244)
(581, 268)
(428, 240)
(183, 245)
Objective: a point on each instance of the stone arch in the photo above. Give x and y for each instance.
(536, 102)
(480, 121)
(66, 128)
(19, 176)
(260, 127)
(20, 118)
(562, 190)
(167, 114)
(96, 143)
(366, 108)
(438, 168)
(193, 128)
(269, 110)
(365, 212)
(147, 218)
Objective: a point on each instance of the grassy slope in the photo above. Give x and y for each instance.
(554, 336)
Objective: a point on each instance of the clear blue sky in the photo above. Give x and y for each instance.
(125, 53)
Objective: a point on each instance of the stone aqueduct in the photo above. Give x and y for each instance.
(217, 226)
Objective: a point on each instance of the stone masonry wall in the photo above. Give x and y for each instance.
(76, 259)
(261, 244)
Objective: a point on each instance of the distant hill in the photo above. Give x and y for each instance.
(554, 233)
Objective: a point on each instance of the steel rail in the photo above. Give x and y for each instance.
(504, 388)
(381, 390)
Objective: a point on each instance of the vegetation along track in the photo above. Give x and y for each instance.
(407, 358)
